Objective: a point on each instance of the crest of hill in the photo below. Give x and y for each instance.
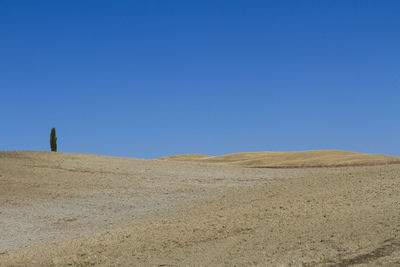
(316, 158)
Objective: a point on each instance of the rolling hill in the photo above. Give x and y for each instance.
(316, 158)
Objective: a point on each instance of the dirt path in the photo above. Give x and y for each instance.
(82, 209)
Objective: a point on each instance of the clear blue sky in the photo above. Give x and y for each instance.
(153, 78)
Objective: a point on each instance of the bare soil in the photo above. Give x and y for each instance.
(60, 209)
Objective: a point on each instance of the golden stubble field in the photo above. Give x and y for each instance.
(297, 159)
(61, 209)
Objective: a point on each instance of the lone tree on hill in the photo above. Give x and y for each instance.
(53, 140)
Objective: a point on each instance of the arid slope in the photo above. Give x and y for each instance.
(63, 209)
(316, 158)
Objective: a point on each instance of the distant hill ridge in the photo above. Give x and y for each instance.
(314, 158)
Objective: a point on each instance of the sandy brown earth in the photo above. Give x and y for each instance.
(314, 158)
(81, 210)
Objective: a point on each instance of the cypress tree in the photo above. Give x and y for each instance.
(53, 140)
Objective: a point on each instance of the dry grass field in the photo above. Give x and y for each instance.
(316, 158)
(62, 209)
